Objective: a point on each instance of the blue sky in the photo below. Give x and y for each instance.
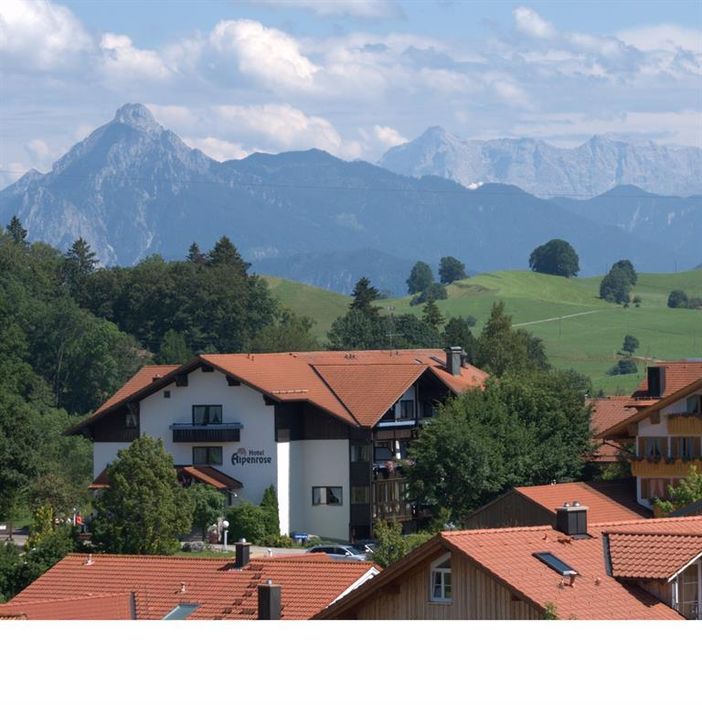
(354, 77)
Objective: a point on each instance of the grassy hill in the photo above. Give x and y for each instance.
(579, 330)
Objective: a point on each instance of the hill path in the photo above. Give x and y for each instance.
(557, 318)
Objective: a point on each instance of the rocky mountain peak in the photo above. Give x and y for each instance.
(137, 116)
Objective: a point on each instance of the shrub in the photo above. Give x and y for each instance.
(624, 367)
(269, 504)
(392, 545)
(247, 521)
(677, 299)
(278, 541)
(434, 291)
(208, 505)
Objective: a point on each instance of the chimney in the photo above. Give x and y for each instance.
(454, 359)
(269, 601)
(242, 553)
(571, 519)
(656, 381)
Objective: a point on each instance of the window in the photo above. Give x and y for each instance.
(130, 420)
(207, 455)
(407, 409)
(327, 495)
(182, 611)
(204, 414)
(653, 449)
(686, 447)
(360, 453)
(360, 494)
(167, 394)
(383, 452)
(440, 576)
(181, 380)
(694, 404)
(555, 563)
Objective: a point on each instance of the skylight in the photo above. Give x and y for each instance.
(182, 611)
(555, 563)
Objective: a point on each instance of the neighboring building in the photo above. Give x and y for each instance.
(665, 430)
(104, 586)
(327, 429)
(643, 569)
(605, 413)
(607, 501)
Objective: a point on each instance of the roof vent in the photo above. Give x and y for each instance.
(242, 554)
(89, 560)
(571, 519)
(269, 601)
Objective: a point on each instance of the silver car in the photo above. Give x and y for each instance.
(340, 552)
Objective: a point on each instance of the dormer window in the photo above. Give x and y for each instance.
(440, 580)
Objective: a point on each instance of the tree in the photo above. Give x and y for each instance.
(269, 504)
(627, 267)
(174, 349)
(247, 521)
(457, 332)
(225, 254)
(630, 344)
(688, 490)
(16, 231)
(420, 278)
(523, 429)
(677, 299)
(432, 316)
(79, 263)
(615, 286)
(364, 294)
(451, 270)
(195, 255)
(144, 510)
(392, 544)
(555, 257)
(288, 333)
(434, 291)
(501, 349)
(356, 331)
(208, 505)
(623, 367)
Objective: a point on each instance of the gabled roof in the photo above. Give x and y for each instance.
(118, 606)
(651, 556)
(203, 473)
(508, 556)
(160, 583)
(681, 379)
(612, 500)
(609, 411)
(341, 383)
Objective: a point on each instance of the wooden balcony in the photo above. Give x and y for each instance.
(665, 467)
(389, 500)
(685, 424)
(203, 433)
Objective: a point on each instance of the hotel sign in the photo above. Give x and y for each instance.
(244, 456)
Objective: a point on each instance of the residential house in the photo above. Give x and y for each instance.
(105, 586)
(329, 430)
(666, 428)
(638, 569)
(607, 501)
(605, 413)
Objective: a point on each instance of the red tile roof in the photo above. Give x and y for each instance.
(678, 374)
(204, 473)
(608, 411)
(508, 556)
(651, 556)
(118, 606)
(606, 501)
(341, 383)
(160, 583)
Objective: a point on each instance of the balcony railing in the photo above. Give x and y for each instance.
(389, 500)
(685, 424)
(689, 610)
(664, 467)
(199, 433)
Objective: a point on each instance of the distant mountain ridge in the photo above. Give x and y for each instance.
(133, 188)
(597, 166)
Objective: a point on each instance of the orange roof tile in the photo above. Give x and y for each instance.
(608, 411)
(651, 556)
(160, 583)
(678, 374)
(366, 379)
(118, 606)
(613, 500)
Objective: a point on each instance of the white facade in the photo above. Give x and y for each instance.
(257, 461)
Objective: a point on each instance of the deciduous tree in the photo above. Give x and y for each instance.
(451, 270)
(420, 278)
(555, 257)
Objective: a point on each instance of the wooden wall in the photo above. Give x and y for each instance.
(512, 509)
(475, 596)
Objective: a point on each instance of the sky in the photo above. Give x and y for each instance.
(353, 77)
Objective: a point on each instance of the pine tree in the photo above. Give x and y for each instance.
(432, 316)
(16, 231)
(363, 296)
(195, 256)
(269, 504)
(225, 254)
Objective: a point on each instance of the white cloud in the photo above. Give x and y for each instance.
(39, 34)
(124, 62)
(388, 136)
(665, 37)
(265, 53)
(221, 150)
(529, 22)
(362, 9)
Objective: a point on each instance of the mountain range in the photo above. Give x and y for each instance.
(133, 188)
(598, 165)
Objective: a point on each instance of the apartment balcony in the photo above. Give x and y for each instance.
(665, 467)
(685, 424)
(389, 500)
(204, 433)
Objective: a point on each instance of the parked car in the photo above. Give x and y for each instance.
(366, 546)
(340, 552)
